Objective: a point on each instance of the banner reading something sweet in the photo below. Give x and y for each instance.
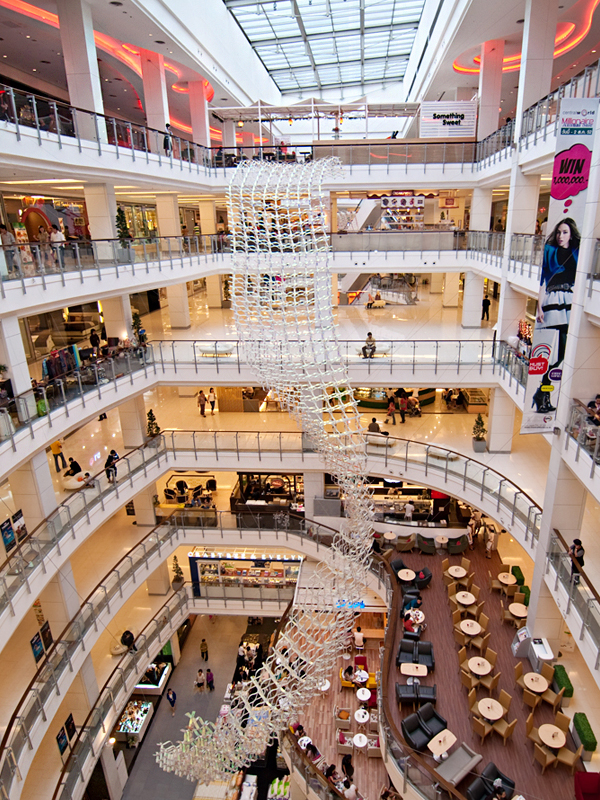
(570, 177)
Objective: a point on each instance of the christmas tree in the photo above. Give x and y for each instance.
(152, 429)
(479, 429)
(177, 571)
(122, 228)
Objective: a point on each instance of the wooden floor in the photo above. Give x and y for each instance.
(515, 760)
(369, 773)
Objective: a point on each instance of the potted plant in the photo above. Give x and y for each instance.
(583, 734)
(561, 679)
(479, 432)
(178, 578)
(123, 235)
(226, 301)
(152, 428)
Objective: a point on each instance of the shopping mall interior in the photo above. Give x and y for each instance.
(215, 582)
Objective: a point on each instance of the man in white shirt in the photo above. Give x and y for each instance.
(57, 238)
(359, 638)
(350, 790)
(408, 511)
(8, 242)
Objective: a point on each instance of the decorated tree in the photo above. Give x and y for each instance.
(152, 429)
(479, 429)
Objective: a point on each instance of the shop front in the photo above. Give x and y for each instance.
(266, 499)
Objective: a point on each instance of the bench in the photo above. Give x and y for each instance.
(457, 766)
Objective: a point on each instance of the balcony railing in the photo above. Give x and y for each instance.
(490, 244)
(541, 118)
(585, 430)
(526, 255)
(516, 364)
(497, 146)
(581, 592)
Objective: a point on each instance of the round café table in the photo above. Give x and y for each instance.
(304, 742)
(490, 709)
(406, 575)
(535, 683)
(360, 741)
(442, 541)
(518, 610)
(417, 616)
(361, 676)
(507, 578)
(457, 572)
(325, 687)
(465, 598)
(479, 666)
(552, 736)
(390, 536)
(363, 695)
(470, 627)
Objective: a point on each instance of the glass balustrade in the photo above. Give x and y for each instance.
(486, 242)
(496, 146)
(526, 255)
(584, 429)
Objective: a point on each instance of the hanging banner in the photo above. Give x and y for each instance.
(8, 535)
(570, 177)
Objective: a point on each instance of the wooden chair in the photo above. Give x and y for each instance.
(453, 604)
(505, 615)
(468, 680)
(553, 699)
(568, 757)
(510, 591)
(475, 591)
(463, 659)
(504, 729)
(491, 656)
(519, 675)
(543, 756)
(520, 623)
(481, 727)
(548, 672)
(519, 597)
(494, 584)
(480, 642)
(473, 703)
(465, 563)
(490, 682)
(456, 618)
(451, 589)
(467, 581)
(460, 637)
(448, 579)
(477, 641)
(475, 611)
(562, 721)
(531, 732)
(530, 699)
(505, 699)
(445, 565)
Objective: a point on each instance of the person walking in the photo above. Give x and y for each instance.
(199, 682)
(172, 698)
(485, 308)
(391, 412)
(94, 341)
(403, 405)
(58, 240)
(210, 680)
(202, 402)
(576, 550)
(56, 450)
(8, 245)
(167, 140)
(204, 649)
(212, 399)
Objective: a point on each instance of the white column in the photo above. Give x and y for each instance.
(175, 649)
(334, 289)
(501, 422)
(60, 600)
(522, 202)
(160, 580)
(32, 489)
(208, 217)
(117, 316)
(437, 283)
(481, 209)
(511, 310)
(199, 112)
(114, 782)
(472, 297)
(101, 207)
(84, 691)
(79, 54)
(12, 353)
(537, 55)
(167, 212)
(132, 415)
(179, 307)
(144, 507)
(451, 288)
(213, 291)
(490, 87)
(156, 103)
(229, 136)
(313, 488)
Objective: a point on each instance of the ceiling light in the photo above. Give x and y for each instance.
(240, 124)
(158, 41)
(520, 21)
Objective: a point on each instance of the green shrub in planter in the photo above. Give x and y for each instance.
(518, 573)
(585, 732)
(562, 679)
(527, 592)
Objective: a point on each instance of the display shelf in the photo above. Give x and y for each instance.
(242, 567)
(134, 721)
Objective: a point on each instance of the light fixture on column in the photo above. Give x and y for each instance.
(282, 304)
(240, 123)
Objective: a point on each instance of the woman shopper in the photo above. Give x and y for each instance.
(201, 403)
(172, 699)
(199, 682)
(212, 399)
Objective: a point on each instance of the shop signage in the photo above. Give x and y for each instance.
(37, 647)
(8, 535)
(568, 193)
(62, 741)
(402, 202)
(451, 120)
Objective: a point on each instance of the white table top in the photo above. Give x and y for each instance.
(470, 627)
(417, 616)
(390, 536)
(465, 598)
(406, 575)
(457, 572)
(361, 716)
(325, 686)
(490, 709)
(441, 539)
(363, 695)
(360, 740)
(518, 610)
(479, 666)
(361, 675)
(535, 683)
(442, 742)
(416, 670)
(507, 578)
(304, 742)
(552, 736)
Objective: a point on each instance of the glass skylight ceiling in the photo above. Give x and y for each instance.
(308, 45)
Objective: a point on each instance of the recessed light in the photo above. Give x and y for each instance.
(158, 41)
(34, 70)
(28, 36)
(115, 3)
(44, 62)
(520, 21)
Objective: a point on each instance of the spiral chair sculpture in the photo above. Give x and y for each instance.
(283, 310)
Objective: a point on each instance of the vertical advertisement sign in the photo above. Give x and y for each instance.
(570, 177)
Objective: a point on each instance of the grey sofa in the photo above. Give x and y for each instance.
(457, 766)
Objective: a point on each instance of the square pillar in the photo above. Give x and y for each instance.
(156, 103)
(144, 507)
(199, 112)
(501, 422)
(101, 207)
(451, 290)
(472, 297)
(481, 209)
(490, 88)
(179, 306)
(213, 291)
(437, 283)
(160, 580)
(115, 780)
(32, 489)
(12, 353)
(512, 308)
(229, 133)
(313, 489)
(132, 415)
(117, 316)
(59, 599)
(208, 217)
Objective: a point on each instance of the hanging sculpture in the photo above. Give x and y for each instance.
(282, 301)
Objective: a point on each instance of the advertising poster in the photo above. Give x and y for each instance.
(8, 535)
(70, 727)
(62, 741)
(19, 526)
(39, 614)
(570, 177)
(46, 635)
(37, 647)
